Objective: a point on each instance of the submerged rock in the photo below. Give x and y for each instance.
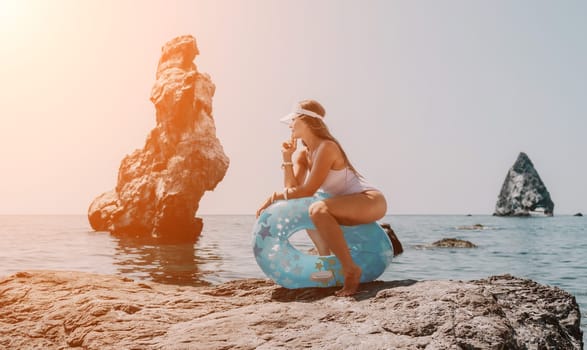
(61, 310)
(453, 243)
(523, 191)
(159, 187)
(471, 227)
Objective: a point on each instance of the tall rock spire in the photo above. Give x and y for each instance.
(523, 191)
(159, 187)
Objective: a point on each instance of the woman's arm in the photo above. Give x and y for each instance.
(326, 154)
(295, 174)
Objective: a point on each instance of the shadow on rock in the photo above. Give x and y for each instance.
(366, 291)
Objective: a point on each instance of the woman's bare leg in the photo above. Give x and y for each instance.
(332, 233)
(319, 242)
(355, 209)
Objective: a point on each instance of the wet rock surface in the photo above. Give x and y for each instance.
(61, 310)
(160, 186)
(453, 243)
(475, 227)
(523, 191)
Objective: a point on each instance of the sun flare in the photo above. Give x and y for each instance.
(11, 15)
(20, 22)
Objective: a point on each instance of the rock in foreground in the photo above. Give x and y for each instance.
(57, 310)
(160, 186)
(523, 191)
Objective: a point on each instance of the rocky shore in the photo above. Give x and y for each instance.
(74, 310)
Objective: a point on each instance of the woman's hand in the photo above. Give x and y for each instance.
(288, 148)
(266, 204)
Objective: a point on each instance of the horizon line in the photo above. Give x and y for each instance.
(539, 214)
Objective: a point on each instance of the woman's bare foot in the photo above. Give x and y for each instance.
(352, 279)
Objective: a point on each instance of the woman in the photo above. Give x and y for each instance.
(322, 164)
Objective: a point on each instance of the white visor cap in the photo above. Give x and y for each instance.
(299, 111)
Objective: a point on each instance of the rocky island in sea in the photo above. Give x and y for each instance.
(160, 186)
(63, 310)
(523, 191)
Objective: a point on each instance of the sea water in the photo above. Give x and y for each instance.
(549, 250)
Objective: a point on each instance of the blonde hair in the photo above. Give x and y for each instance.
(320, 129)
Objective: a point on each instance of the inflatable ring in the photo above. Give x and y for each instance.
(370, 247)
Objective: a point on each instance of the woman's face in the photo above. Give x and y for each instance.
(297, 127)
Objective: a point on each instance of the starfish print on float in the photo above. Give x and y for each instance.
(265, 232)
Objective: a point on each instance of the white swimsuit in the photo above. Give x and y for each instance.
(344, 181)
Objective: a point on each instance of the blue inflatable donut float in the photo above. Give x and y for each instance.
(370, 247)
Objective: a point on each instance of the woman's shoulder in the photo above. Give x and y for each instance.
(330, 151)
(329, 146)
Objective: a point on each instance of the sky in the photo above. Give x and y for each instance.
(431, 100)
